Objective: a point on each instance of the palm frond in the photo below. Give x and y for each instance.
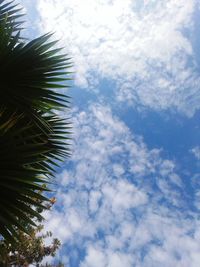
(33, 137)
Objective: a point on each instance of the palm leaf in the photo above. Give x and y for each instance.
(33, 137)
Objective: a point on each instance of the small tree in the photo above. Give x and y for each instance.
(30, 248)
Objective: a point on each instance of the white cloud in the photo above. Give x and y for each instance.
(94, 199)
(139, 44)
(133, 216)
(94, 258)
(196, 152)
(123, 195)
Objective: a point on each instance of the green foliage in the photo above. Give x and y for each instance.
(33, 137)
(30, 249)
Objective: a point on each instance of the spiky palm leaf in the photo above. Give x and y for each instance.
(32, 136)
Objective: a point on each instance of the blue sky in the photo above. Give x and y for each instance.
(130, 194)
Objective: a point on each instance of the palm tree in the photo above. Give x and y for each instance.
(33, 137)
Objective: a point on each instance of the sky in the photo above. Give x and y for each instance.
(130, 193)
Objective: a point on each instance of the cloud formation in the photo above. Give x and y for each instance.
(196, 152)
(144, 46)
(120, 203)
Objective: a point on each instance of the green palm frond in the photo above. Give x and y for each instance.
(33, 137)
(10, 13)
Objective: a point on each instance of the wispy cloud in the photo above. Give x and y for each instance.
(141, 45)
(120, 203)
(196, 152)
